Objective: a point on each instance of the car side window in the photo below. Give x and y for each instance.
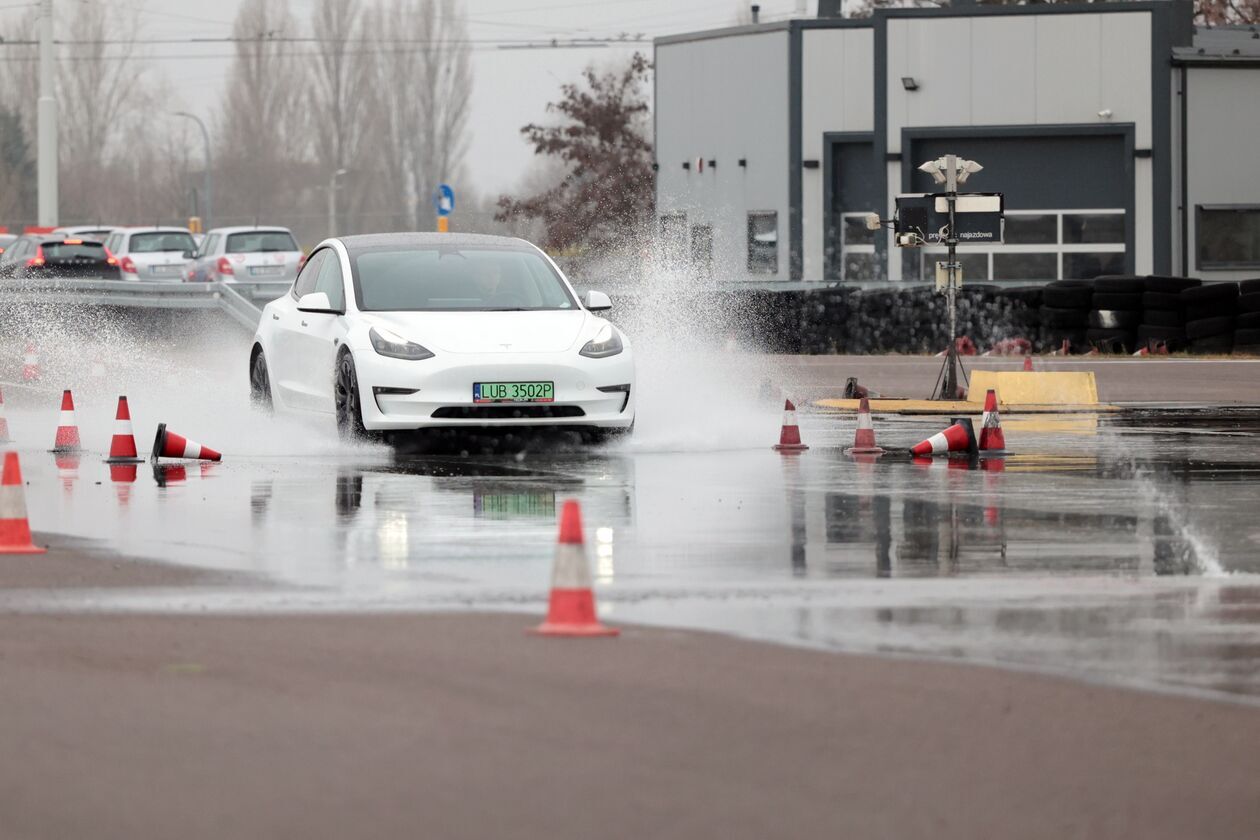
(330, 279)
(207, 245)
(305, 283)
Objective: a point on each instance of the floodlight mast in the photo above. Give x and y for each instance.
(951, 171)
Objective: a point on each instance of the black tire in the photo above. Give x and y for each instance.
(1067, 297)
(1249, 287)
(1213, 345)
(1247, 321)
(1209, 328)
(1114, 319)
(259, 382)
(1249, 337)
(1151, 332)
(1027, 295)
(1211, 293)
(1249, 303)
(1170, 285)
(1053, 317)
(1163, 318)
(1122, 283)
(1219, 309)
(1117, 300)
(347, 400)
(1169, 301)
(1111, 341)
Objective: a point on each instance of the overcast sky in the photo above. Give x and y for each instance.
(511, 87)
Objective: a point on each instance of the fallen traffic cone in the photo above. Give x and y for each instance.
(15, 530)
(991, 438)
(1027, 362)
(170, 445)
(4, 422)
(122, 447)
(959, 437)
(571, 609)
(790, 434)
(30, 364)
(864, 438)
(67, 430)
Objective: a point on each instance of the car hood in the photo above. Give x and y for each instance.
(486, 332)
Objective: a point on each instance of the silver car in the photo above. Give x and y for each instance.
(151, 253)
(243, 254)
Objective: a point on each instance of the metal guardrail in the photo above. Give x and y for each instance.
(243, 301)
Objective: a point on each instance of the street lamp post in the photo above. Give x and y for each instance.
(46, 124)
(209, 178)
(332, 201)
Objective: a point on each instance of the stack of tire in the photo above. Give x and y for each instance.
(1164, 312)
(1211, 314)
(1116, 314)
(1065, 308)
(1247, 327)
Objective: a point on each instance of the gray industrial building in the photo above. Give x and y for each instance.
(1124, 140)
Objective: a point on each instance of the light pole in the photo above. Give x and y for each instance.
(332, 201)
(209, 178)
(46, 109)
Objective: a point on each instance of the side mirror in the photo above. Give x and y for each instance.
(317, 302)
(597, 301)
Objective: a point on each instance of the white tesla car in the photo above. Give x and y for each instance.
(405, 331)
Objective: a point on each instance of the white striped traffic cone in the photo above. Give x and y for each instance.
(864, 437)
(991, 438)
(957, 438)
(170, 445)
(67, 430)
(790, 434)
(571, 607)
(122, 447)
(15, 529)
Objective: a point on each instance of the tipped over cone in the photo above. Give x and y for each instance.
(790, 434)
(991, 438)
(122, 447)
(864, 437)
(571, 607)
(15, 529)
(167, 444)
(960, 437)
(67, 439)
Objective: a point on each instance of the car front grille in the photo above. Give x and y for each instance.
(506, 412)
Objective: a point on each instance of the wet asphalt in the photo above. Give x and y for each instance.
(1118, 548)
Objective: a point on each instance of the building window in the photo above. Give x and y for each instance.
(1043, 245)
(1228, 236)
(702, 249)
(674, 237)
(763, 243)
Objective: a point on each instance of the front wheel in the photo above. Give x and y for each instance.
(259, 383)
(348, 400)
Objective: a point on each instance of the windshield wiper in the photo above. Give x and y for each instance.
(508, 309)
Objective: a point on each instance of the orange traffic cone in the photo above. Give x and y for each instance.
(15, 530)
(1028, 362)
(864, 438)
(790, 434)
(170, 445)
(991, 438)
(30, 364)
(122, 447)
(571, 610)
(960, 437)
(67, 430)
(4, 422)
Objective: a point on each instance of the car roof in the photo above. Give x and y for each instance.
(251, 229)
(153, 230)
(367, 241)
(76, 228)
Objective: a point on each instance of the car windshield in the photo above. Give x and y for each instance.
(152, 243)
(457, 279)
(256, 241)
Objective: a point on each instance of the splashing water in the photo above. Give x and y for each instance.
(1179, 547)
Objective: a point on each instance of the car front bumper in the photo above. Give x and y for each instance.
(438, 393)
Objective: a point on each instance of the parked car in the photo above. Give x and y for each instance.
(152, 253)
(247, 253)
(7, 239)
(59, 257)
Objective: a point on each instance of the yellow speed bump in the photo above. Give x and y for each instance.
(1019, 392)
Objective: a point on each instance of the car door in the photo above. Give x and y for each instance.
(320, 334)
(285, 362)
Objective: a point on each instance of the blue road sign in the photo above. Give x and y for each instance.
(444, 200)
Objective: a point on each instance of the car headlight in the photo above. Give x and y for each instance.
(605, 343)
(392, 344)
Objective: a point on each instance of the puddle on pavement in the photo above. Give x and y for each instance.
(1102, 546)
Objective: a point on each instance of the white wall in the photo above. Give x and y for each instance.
(837, 94)
(724, 99)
